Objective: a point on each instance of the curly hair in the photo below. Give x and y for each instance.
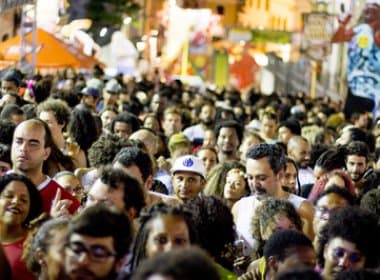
(357, 226)
(104, 150)
(273, 152)
(371, 202)
(216, 179)
(214, 224)
(230, 124)
(147, 215)
(128, 118)
(58, 107)
(267, 213)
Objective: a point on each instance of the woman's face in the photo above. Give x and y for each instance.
(209, 158)
(235, 187)
(166, 233)
(280, 222)
(14, 203)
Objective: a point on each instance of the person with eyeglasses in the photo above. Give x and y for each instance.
(327, 203)
(349, 241)
(98, 240)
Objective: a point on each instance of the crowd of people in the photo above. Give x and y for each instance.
(118, 178)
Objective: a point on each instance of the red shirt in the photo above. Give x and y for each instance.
(13, 251)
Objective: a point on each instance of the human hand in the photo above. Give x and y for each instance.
(60, 207)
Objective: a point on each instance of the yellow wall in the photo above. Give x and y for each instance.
(230, 11)
(273, 14)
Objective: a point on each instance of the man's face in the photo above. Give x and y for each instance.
(207, 115)
(28, 147)
(228, 141)
(284, 134)
(299, 256)
(89, 257)
(324, 207)
(50, 119)
(262, 181)
(172, 124)
(107, 118)
(268, 128)
(340, 255)
(8, 87)
(187, 185)
(356, 166)
(122, 129)
(166, 233)
(301, 154)
(89, 100)
(101, 192)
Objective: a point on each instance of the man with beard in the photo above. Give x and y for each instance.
(97, 241)
(265, 168)
(228, 136)
(357, 158)
(299, 150)
(196, 132)
(349, 241)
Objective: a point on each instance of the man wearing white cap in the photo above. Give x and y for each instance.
(188, 177)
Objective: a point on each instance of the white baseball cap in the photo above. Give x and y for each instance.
(189, 163)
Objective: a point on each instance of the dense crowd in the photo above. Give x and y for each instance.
(124, 178)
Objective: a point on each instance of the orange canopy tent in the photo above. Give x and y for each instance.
(52, 53)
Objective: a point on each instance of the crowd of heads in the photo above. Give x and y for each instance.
(119, 178)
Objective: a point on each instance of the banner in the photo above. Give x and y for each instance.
(317, 32)
(10, 4)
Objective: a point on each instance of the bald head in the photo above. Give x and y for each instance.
(148, 137)
(299, 150)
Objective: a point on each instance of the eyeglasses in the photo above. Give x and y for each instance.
(352, 257)
(97, 253)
